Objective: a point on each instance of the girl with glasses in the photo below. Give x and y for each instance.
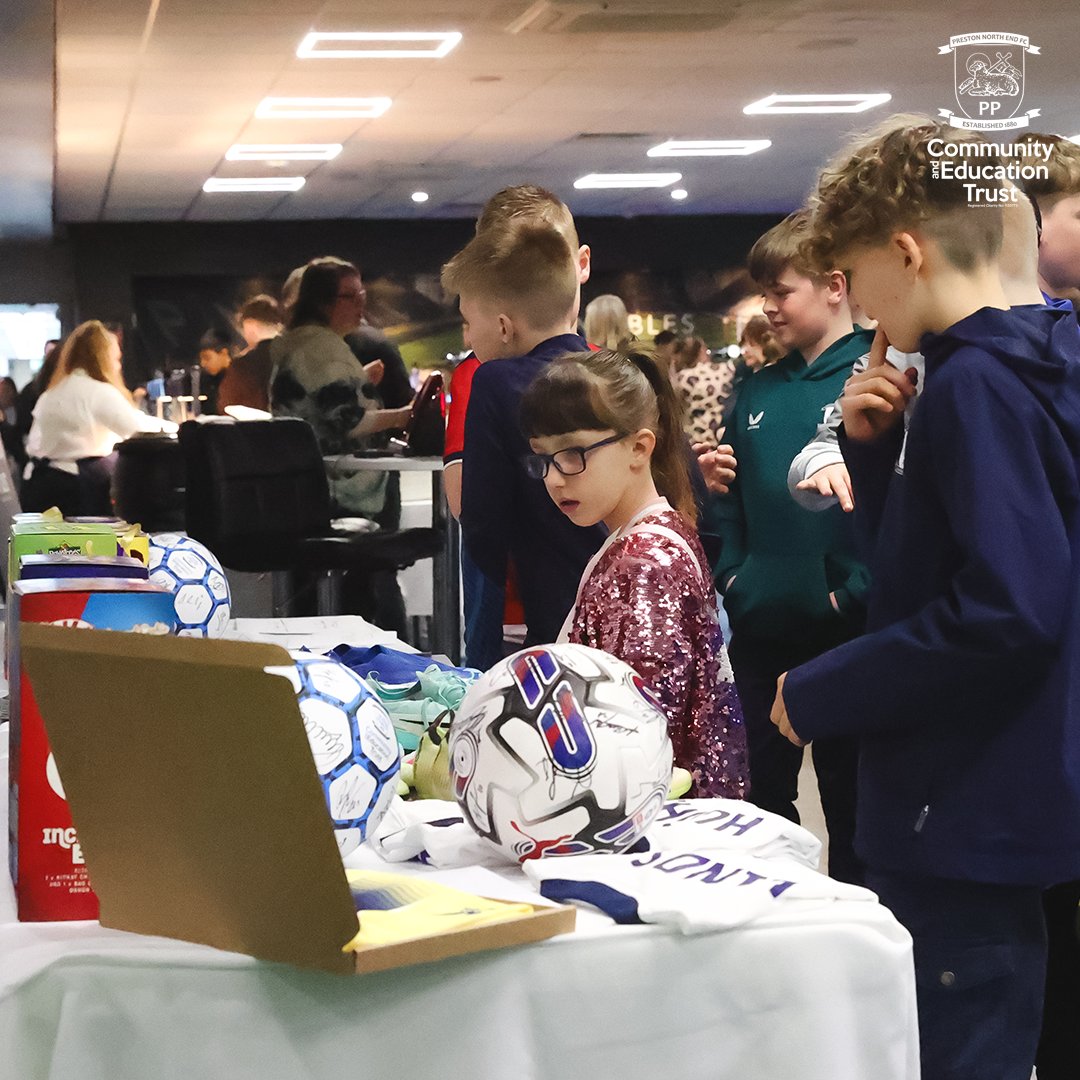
(606, 433)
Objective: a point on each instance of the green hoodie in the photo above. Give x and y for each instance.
(786, 560)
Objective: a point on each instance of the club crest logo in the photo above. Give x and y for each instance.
(988, 81)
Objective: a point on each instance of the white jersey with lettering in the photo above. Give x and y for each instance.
(434, 832)
(693, 824)
(694, 891)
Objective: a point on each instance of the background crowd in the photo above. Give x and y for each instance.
(773, 535)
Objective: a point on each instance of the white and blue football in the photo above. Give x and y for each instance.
(560, 750)
(353, 742)
(191, 572)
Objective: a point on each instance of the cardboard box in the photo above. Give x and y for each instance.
(134, 544)
(201, 814)
(130, 539)
(50, 537)
(46, 861)
(33, 567)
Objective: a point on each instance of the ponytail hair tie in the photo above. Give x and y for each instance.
(646, 365)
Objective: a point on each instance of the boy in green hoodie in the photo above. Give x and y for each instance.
(792, 584)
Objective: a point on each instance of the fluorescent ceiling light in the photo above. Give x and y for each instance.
(1075, 138)
(420, 196)
(305, 108)
(709, 147)
(628, 180)
(283, 152)
(380, 46)
(816, 103)
(679, 194)
(253, 183)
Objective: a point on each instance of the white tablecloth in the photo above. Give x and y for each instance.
(824, 995)
(829, 997)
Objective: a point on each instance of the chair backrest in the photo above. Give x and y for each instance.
(148, 483)
(254, 485)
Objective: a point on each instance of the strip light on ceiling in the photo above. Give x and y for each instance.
(314, 108)
(283, 152)
(627, 180)
(380, 46)
(815, 103)
(709, 147)
(236, 184)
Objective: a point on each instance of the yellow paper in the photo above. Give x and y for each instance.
(397, 907)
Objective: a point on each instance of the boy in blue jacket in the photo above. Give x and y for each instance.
(518, 289)
(965, 692)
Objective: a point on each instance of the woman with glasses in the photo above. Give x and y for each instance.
(606, 433)
(317, 378)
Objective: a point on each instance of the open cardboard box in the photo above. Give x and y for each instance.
(196, 801)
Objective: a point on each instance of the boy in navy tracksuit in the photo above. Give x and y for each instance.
(518, 290)
(965, 692)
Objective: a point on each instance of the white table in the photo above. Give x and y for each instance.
(829, 997)
(446, 575)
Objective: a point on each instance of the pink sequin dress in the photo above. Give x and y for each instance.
(651, 603)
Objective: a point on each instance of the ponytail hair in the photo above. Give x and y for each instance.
(621, 390)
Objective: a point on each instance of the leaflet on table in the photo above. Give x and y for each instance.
(392, 908)
(317, 633)
(46, 862)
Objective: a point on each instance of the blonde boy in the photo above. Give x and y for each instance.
(523, 203)
(487, 605)
(963, 693)
(518, 289)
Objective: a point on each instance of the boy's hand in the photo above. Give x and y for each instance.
(831, 480)
(875, 399)
(779, 714)
(375, 371)
(717, 465)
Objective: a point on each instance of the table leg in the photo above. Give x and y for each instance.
(446, 577)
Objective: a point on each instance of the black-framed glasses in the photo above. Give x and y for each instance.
(569, 462)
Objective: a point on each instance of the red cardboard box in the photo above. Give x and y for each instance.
(51, 881)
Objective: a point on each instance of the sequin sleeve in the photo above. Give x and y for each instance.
(638, 607)
(647, 603)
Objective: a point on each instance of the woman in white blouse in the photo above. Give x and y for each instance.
(83, 413)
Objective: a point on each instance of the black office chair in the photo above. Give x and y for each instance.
(258, 497)
(148, 483)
